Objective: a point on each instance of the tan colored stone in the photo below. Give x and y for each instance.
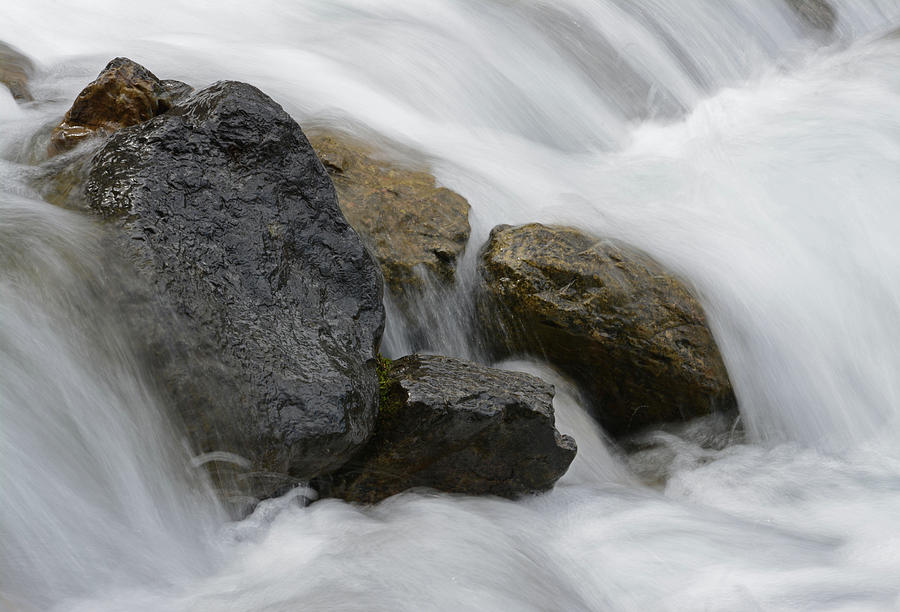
(411, 224)
(626, 330)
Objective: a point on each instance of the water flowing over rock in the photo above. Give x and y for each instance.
(817, 14)
(458, 427)
(412, 225)
(628, 332)
(176, 90)
(123, 94)
(260, 304)
(15, 71)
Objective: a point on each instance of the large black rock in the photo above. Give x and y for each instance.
(459, 427)
(260, 306)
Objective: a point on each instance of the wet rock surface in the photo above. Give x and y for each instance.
(458, 427)
(259, 304)
(123, 94)
(411, 224)
(15, 71)
(625, 330)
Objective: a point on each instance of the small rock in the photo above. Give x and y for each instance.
(411, 224)
(15, 71)
(458, 427)
(125, 93)
(625, 330)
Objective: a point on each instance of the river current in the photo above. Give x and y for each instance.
(754, 155)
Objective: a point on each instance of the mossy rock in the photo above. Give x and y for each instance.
(389, 399)
(607, 315)
(415, 228)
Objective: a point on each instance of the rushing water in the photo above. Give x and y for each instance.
(758, 158)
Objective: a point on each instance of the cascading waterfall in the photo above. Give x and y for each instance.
(755, 156)
(93, 490)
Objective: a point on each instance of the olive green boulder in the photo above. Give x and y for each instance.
(415, 228)
(628, 332)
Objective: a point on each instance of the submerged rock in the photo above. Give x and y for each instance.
(125, 93)
(15, 71)
(818, 14)
(60, 179)
(458, 427)
(411, 224)
(260, 305)
(657, 454)
(628, 332)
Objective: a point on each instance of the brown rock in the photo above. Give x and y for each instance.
(125, 93)
(411, 224)
(607, 315)
(15, 70)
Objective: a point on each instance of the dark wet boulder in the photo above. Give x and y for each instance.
(15, 71)
(624, 329)
(260, 307)
(458, 427)
(414, 227)
(123, 94)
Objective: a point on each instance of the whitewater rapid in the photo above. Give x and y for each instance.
(757, 158)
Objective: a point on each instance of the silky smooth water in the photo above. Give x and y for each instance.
(754, 156)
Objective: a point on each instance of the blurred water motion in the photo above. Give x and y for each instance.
(752, 153)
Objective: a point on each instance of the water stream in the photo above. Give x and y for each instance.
(755, 156)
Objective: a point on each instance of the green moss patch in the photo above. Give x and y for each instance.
(388, 398)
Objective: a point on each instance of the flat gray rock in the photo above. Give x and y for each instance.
(458, 427)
